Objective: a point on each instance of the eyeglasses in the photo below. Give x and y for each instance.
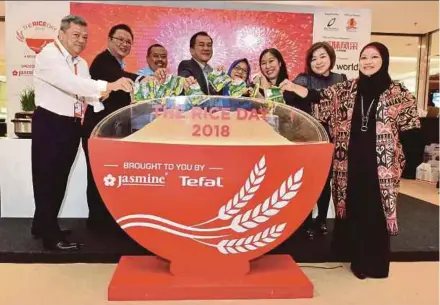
(240, 69)
(121, 41)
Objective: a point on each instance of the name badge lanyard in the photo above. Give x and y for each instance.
(78, 107)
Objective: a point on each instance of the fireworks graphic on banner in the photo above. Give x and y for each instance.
(251, 40)
(176, 34)
(235, 33)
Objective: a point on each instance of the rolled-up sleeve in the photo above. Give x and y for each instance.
(93, 101)
(52, 69)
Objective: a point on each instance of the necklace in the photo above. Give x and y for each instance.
(365, 118)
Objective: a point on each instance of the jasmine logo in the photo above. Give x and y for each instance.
(109, 180)
(131, 180)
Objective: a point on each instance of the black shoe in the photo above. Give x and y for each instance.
(61, 245)
(360, 275)
(323, 228)
(310, 235)
(64, 233)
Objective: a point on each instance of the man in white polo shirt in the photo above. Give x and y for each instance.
(63, 87)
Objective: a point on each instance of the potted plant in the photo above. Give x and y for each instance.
(23, 119)
(27, 100)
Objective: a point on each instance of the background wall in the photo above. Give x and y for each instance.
(236, 33)
(289, 28)
(388, 17)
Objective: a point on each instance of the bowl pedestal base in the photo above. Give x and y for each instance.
(148, 278)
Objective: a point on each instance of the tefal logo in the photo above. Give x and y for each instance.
(201, 181)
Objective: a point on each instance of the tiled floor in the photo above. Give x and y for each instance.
(86, 284)
(422, 190)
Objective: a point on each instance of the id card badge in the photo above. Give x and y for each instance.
(78, 108)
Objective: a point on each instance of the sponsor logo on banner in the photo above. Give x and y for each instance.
(344, 46)
(347, 31)
(331, 22)
(351, 25)
(148, 179)
(27, 70)
(347, 67)
(35, 35)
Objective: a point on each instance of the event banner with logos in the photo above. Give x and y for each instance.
(237, 33)
(30, 25)
(347, 31)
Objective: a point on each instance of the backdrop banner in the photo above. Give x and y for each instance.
(29, 27)
(236, 32)
(347, 31)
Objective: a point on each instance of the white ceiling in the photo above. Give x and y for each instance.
(409, 17)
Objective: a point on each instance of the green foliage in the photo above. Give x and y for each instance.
(27, 99)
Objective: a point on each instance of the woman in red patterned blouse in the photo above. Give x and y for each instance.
(365, 116)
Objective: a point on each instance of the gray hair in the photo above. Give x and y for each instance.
(66, 21)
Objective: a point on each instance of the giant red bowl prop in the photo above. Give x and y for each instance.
(209, 208)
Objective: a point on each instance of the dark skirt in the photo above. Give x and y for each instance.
(362, 237)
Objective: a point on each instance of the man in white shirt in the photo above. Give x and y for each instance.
(62, 88)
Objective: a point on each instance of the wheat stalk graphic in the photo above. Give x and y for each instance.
(246, 193)
(250, 243)
(271, 206)
(243, 222)
(20, 35)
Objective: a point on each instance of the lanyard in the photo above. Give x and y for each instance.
(75, 66)
(78, 108)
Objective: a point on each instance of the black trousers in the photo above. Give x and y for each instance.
(55, 141)
(99, 216)
(323, 204)
(324, 199)
(98, 213)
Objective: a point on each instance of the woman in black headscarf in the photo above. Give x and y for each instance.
(366, 116)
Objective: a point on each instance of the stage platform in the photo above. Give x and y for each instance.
(418, 240)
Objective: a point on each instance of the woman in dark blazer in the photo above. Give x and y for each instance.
(320, 60)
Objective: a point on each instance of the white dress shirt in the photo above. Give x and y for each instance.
(206, 69)
(57, 88)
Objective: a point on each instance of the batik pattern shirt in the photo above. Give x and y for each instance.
(396, 112)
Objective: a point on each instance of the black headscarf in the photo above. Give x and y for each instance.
(371, 87)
